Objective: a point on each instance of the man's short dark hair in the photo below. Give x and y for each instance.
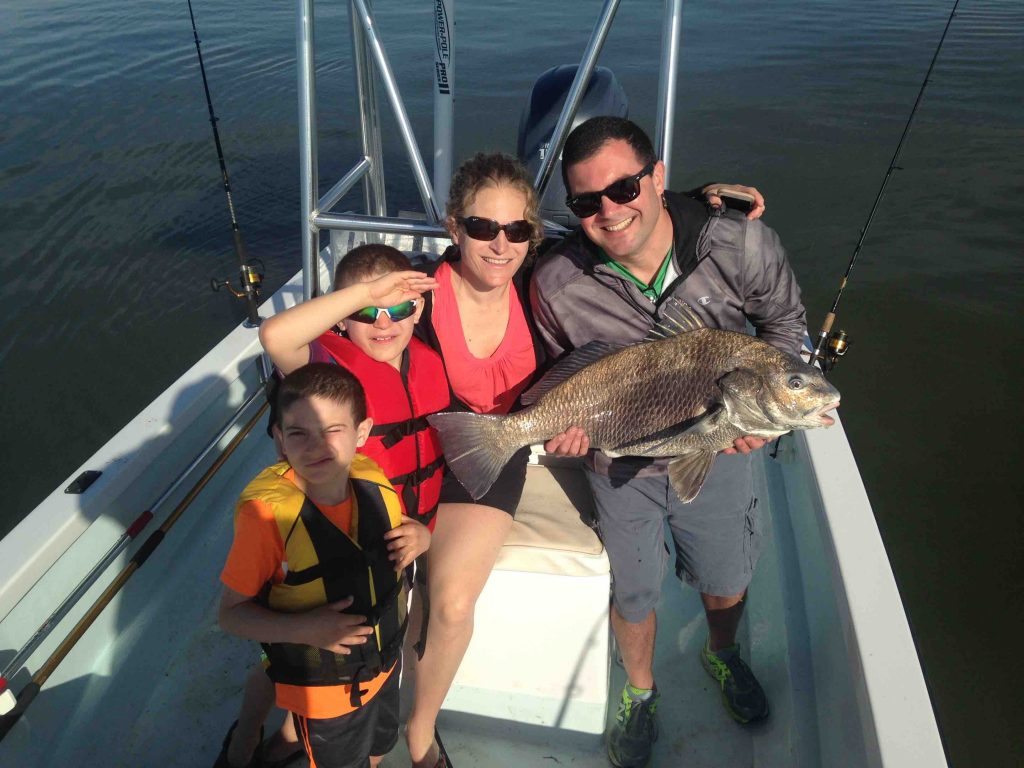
(590, 135)
(325, 380)
(367, 260)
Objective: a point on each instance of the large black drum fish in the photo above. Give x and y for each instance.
(687, 391)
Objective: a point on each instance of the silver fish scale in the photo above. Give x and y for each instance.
(637, 392)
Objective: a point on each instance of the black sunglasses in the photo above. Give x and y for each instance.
(488, 229)
(621, 191)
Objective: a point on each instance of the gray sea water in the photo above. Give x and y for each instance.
(113, 221)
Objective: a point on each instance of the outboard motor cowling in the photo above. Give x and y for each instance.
(604, 96)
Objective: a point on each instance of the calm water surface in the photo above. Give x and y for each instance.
(112, 221)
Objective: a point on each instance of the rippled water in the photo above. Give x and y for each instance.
(112, 221)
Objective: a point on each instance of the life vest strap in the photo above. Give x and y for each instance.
(393, 433)
(418, 476)
(373, 616)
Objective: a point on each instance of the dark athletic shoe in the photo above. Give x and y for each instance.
(288, 761)
(742, 695)
(632, 735)
(222, 758)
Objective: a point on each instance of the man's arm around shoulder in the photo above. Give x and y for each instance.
(772, 295)
(543, 283)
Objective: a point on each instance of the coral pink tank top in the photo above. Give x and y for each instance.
(489, 384)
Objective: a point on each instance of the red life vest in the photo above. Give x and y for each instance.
(405, 446)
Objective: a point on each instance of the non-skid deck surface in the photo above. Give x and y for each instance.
(171, 687)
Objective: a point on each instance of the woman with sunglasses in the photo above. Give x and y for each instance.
(478, 318)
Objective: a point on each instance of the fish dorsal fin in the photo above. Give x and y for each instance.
(572, 363)
(677, 318)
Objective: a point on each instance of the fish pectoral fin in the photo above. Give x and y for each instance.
(688, 472)
(708, 421)
(652, 445)
(572, 363)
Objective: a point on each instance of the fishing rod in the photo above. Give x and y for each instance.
(249, 276)
(12, 708)
(831, 345)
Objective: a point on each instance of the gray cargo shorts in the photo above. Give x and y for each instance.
(717, 536)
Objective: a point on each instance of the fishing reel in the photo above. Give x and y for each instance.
(836, 344)
(251, 280)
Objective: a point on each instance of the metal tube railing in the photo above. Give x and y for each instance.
(672, 31)
(398, 226)
(339, 190)
(379, 224)
(308, 173)
(374, 193)
(404, 126)
(572, 101)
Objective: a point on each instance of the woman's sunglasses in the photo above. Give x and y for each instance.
(488, 229)
(398, 312)
(620, 192)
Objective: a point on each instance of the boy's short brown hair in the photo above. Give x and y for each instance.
(326, 380)
(365, 261)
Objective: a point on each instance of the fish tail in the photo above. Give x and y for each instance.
(476, 447)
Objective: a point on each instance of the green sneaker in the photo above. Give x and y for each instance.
(634, 731)
(742, 695)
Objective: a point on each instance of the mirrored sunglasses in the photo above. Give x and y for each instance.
(619, 192)
(398, 312)
(488, 229)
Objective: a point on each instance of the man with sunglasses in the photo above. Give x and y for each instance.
(636, 246)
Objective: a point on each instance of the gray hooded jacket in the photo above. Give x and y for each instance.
(731, 272)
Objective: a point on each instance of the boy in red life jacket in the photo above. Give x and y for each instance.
(366, 325)
(376, 302)
(311, 542)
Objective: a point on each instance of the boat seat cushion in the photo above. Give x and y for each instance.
(550, 534)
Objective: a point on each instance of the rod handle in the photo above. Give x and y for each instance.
(8, 721)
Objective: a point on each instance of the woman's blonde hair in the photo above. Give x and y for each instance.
(493, 170)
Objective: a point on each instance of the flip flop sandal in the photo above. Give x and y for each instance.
(442, 757)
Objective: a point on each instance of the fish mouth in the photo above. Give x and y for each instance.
(821, 416)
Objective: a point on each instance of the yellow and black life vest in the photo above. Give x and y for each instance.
(324, 564)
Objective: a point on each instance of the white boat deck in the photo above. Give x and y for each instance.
(165, 690)
(154, 682)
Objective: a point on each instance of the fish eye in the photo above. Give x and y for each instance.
(796, 382)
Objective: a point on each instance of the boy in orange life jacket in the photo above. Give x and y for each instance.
(294, 569)
(404, 380)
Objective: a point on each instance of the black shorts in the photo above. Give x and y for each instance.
(350, 740)
(504, 494)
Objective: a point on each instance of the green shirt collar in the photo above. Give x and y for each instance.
(652, 291)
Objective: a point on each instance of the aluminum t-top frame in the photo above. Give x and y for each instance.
(371, 65)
